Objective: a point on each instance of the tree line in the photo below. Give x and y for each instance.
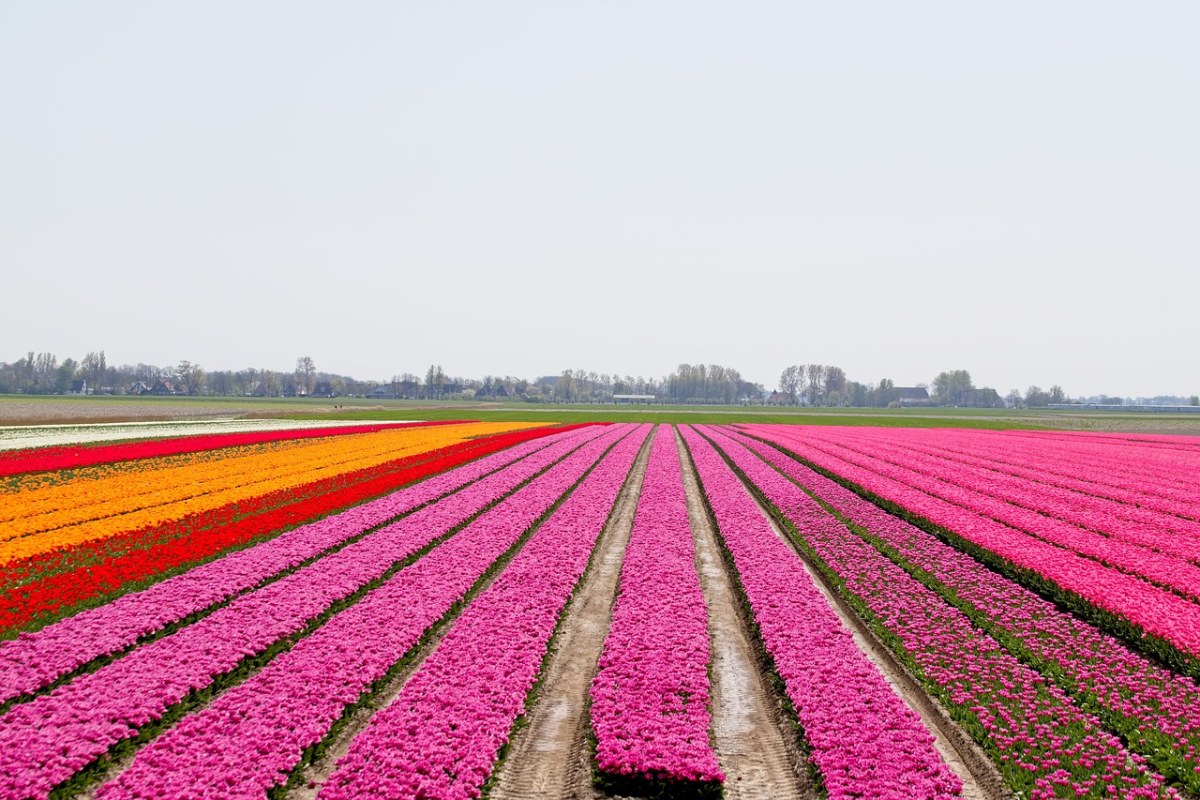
(799, 384)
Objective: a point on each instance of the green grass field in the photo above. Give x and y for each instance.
(32, 410)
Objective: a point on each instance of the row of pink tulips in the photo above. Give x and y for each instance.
(1089, 504)
(941, 481)
(1167, 534)
(1044, 745)
(441, 735)
(292, 703)
(34, 660)
(650, 695)
(46, 741)
(862, 737)
(1107, 460)
(1128, 474)
(1157, 611)
(1157, 711)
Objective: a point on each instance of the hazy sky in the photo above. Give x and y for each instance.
(896, 188)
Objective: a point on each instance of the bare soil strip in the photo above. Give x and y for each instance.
(754, 748)
(549, 757)
(981, 780)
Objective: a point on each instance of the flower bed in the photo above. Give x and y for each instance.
(59, 517)
(1156, 711)
(1139, 607)
(46, 741)
(74, 456)
(863, 739)
(290, 706)
(34, 660)
(649, 698)
(440, 736)
(49, 585)
(1044, 746)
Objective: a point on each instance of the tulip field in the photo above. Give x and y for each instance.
(469, 609)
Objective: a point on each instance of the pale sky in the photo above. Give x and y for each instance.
(520, 188)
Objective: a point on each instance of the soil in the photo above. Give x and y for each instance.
(549, 757)
(756, 751)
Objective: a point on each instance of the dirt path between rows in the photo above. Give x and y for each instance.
(549, 757)
(757, 754)
(981, 780)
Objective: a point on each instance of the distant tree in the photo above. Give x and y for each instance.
(306, 374)
(858, 394)
(790, 381)
(986, 397)
(64, 376)
(1036, 397)
(886, 393)
(952, 387)
(564, 389)
(45, 372)
(191, 376)
(835, 385)
(815, 381)
(1013, 398)
(1057, 395)
(220, 382)
(1196, 399)
(93, 369)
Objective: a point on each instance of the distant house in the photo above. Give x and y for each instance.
(382, 391)
(139, 388)
(912, 396)
(323, 389)
(164, 388)
(78, 387)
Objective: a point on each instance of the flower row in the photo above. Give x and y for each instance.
(82, 512)
(650, 695)
(49, 585)
(862, 737)
(47, 740)
(941, 482)
(1045, 746)
(441, 734)
(1166, 615)
(292, 703)
(74, 456)
(1132, 475)
(1157, 711)
(1166, 533)
(35, 659)
(155, 482)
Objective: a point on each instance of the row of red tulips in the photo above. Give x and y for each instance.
(48, 586)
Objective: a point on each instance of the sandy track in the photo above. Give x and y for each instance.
(753, 747)
(549, 756)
